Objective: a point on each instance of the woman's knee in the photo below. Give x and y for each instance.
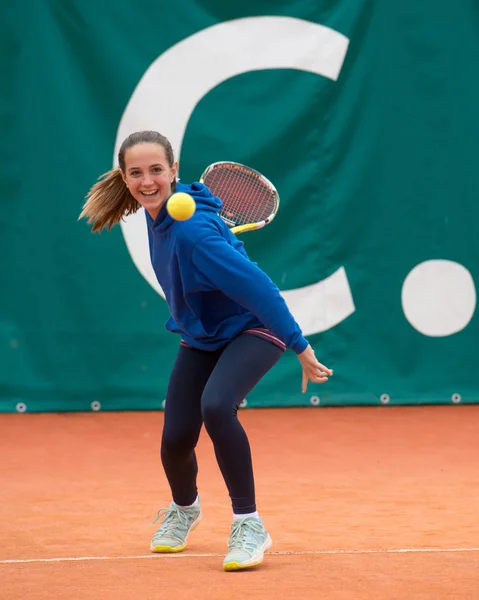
(217, 409)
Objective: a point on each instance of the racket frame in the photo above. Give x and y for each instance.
(246, 226)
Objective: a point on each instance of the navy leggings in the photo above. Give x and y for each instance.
(208, 387)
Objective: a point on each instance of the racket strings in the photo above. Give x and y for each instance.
(246, 197)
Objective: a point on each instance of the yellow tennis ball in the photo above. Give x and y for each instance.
(181, 206)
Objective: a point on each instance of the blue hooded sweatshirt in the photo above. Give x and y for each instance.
(213, 290)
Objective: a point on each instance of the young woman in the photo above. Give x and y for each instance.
(234, 327)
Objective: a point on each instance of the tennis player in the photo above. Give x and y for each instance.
(234, 327)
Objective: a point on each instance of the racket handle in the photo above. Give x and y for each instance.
(248, 227)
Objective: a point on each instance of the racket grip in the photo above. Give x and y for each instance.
(248, 227)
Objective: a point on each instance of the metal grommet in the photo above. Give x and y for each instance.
(384, 398)
(163, 404)
(244, 403)
(456, 398)
(21, 407)
(95, 405)
(315, 400)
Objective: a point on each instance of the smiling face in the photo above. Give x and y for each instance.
(149, 176)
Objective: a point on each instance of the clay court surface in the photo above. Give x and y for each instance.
(361, 503)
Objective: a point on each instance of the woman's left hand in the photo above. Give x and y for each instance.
(313, 370)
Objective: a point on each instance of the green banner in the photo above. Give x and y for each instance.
(363, 114)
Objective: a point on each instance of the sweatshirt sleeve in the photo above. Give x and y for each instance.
(240, 279)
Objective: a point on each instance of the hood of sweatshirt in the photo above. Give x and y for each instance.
(205, 201)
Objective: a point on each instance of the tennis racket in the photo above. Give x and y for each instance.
(250, 201)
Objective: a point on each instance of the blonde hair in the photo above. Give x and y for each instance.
(109, 200)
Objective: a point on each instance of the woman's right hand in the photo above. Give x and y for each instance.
(313, 370)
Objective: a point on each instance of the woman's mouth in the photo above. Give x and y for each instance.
(149, 193)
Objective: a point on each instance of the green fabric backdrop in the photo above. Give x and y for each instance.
(365, 116)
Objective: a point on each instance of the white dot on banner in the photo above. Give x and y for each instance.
(384, 398)
(95, 405)
(21, 407)
(315, 400)
(438, 297)
(456, 398)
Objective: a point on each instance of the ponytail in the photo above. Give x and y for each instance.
(108, 201)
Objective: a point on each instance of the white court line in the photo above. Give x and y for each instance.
(207, 555)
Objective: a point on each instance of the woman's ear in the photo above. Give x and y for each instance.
(174, 171)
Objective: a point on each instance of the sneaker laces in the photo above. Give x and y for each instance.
(173, 521)
(246, 534)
